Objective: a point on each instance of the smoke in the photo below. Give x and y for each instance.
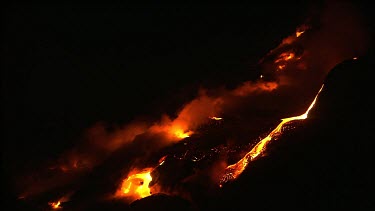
(341, 35)
(291, 74)
(249, 87)
(190, 117)
(333, 32)
(198, 111)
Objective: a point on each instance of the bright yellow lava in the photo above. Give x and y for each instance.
(216, 118)
(136, 185)
(179, 133)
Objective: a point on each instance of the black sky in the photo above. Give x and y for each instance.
(67, 67)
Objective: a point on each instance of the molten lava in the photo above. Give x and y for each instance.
(175, 130)
(55, 205)
(136, 184)
(234, 170)
(298, 33)
(300, 30)
(181, 134)
(285, 57)
(216, 118)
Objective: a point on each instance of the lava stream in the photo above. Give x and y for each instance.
(234, 170)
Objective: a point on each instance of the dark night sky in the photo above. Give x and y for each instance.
(67, 67)
(70, 66)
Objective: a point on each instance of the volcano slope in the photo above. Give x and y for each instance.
(326, 162)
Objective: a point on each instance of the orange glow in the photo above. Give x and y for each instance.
(71, 165)
(300, 30)
(280, 67)
(162, 160)
(181, 134)
(55, 205)
(234, 170)
(248, 87)
(136, 184)
(285, 57)
(216, 118)
(298, 33)
(174, 130)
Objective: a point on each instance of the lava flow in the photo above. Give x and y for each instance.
(55, 205)
(234, 170)
(136, 184)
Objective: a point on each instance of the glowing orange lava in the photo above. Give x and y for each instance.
(298, 33)
(234, 170)
(55, 205)
(216, 118)
(175, 130)
(136, 184)
(285, 57)
(300, 30)
(181, 134)
(280, 67)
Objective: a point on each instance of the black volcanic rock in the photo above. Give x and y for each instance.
(161, 202)
(326, 162)
(349, 87)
